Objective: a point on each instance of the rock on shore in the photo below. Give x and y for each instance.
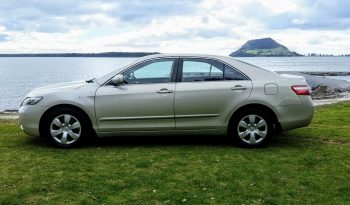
(322, 87)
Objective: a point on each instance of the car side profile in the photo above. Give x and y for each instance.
(171, 94)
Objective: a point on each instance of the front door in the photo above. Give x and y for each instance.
(145, 102)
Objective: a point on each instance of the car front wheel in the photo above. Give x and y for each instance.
(66, 127)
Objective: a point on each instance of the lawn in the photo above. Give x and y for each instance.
(305, 166)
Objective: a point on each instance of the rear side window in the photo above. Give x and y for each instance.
(194, 70)
(208, 70)
(233, 74)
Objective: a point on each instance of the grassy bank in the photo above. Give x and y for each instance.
(308, 166)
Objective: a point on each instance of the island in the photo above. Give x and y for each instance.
(264, 47)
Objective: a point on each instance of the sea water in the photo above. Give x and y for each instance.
(19, 75)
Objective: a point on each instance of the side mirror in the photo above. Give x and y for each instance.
(118, 79)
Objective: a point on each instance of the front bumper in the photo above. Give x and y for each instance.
(29, 118)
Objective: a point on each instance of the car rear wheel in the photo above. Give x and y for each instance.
(252, 128)
(66, 127)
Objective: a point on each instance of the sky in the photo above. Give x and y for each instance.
(172, 26)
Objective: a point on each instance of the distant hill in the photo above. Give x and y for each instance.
(107, 54)
(265, 47)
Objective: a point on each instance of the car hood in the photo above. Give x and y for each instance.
(57, 87)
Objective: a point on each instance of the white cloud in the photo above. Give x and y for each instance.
(209, 26)
(278, 7)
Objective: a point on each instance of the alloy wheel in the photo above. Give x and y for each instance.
(252, 129)
(65, 129)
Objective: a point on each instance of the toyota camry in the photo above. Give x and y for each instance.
(168, 94)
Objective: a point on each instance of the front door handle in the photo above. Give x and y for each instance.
(239, 87)
(164, 90)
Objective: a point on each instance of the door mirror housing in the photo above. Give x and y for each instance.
(118, 79)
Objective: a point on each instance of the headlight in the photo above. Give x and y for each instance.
(31, 101)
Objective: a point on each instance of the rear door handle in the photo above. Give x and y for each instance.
(239, 87)
(164, 90)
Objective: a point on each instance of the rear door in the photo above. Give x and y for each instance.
(206, 92)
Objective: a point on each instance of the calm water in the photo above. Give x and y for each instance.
(335, 64)
(20, 75)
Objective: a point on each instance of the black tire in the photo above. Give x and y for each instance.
(237, 130)
(60, 114)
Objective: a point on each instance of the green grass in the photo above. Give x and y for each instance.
(304, 166)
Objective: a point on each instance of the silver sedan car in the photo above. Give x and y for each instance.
(171, 94)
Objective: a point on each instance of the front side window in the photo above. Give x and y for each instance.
(208, 70)
(158, 71)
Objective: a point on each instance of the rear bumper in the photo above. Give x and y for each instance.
(29, 119)
(297, 115)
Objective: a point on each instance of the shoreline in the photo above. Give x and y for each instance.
(325, 73)
(323, 87)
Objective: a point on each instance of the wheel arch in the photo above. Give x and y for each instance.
(277, 125)
(51, 109)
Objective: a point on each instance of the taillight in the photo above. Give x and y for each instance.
(301, 89)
